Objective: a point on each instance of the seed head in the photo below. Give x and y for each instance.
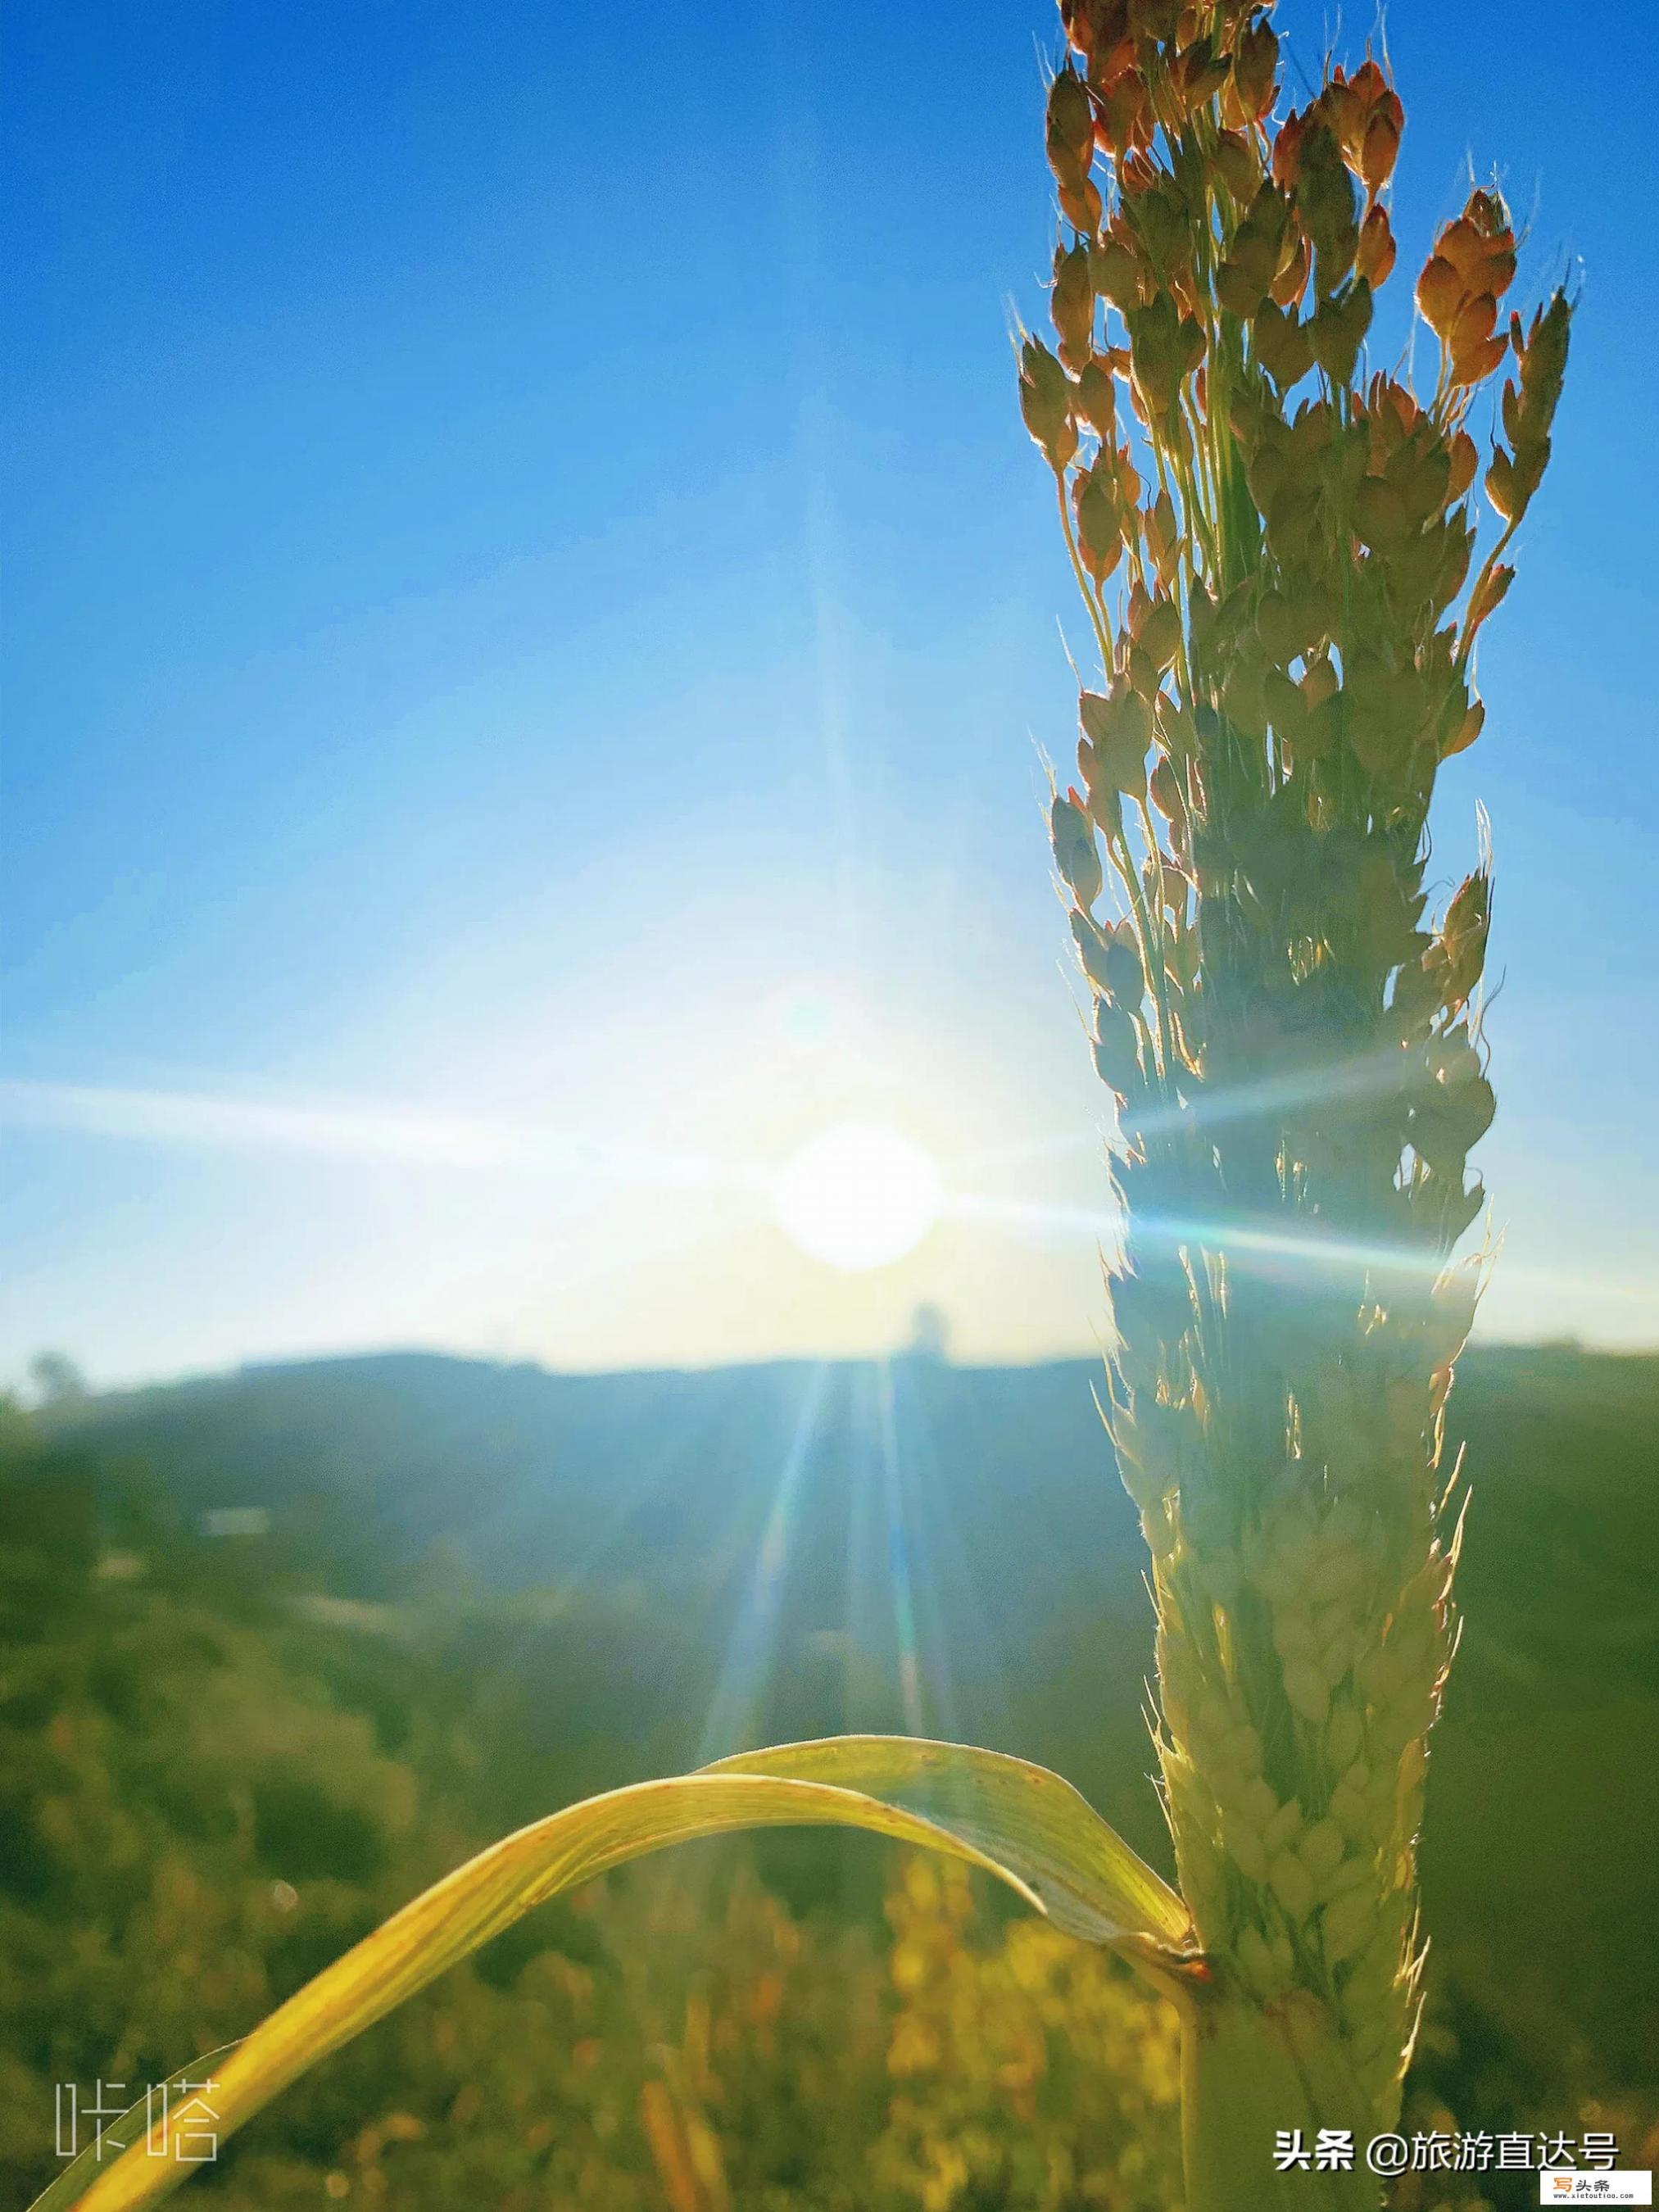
(1283, 668)
(1075, 852)
(1338, 331)
(1117, 1048)
(1374, 256)
(1045, 403)
(1071, 129)
(1118, 729)
(1255, 70)
(1327, 206)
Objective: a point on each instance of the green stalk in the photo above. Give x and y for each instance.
(1248, 2075)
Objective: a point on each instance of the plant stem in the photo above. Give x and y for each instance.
(1249, 2074)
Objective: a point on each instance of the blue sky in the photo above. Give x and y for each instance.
(531, 625)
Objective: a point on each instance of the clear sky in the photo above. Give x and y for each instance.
(531, 626)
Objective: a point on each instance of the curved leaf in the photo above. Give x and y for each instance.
(66, 2188)
(1073, 1864)
(1017, 1821)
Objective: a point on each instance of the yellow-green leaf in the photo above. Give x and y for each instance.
(121, 2134)
(1039, 1833)
(1017, 1821)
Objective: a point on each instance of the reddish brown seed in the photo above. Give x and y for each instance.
(1291, 282)
(1342, 109)
(1099, 519)
(1489, 598)
(1468, 728)
(1121, 126)
(1072, 304)
(1119, 728)
(1380, 515)
(1076, 854)
(1369, 82)
(1472, 363)
(1379, 150)
(1462, 244)
(1159, 634)
(1283, 346)
(1339, 330)
(1081, 206)
(1464, 461)
(1375, 258)
(1440, 291)
(1287, 149)
(1070, 127)
(1255, 70)
(1473, 324)
(1240, 165)
(1166, 793)
(1045, 403)
(1498, 272)
(1095, 398)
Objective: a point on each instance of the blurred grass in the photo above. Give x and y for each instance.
(204, 1827)
(216, 1771)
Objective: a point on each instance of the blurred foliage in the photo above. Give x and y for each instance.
(204, 1809)
(222, 1761)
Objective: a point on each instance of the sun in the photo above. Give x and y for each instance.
(857, 1197)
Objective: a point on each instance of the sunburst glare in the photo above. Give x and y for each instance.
(858, 1195)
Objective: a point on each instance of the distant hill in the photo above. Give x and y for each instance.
(537, 1474)
(976, 1483)
(866, 1544)
(442, 1445)
(905, 1506)
(908, 1506)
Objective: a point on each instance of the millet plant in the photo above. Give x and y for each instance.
(1277, 554)
(1276, 543)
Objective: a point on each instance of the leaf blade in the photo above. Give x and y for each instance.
(452, 1918)
(1085, 1878)
(66, 2188)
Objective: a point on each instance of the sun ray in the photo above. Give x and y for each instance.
(898, 1554)
(736, 1707)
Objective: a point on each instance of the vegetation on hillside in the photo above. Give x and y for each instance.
(223, 1763)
